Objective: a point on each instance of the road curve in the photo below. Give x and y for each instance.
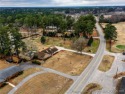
(78, 86)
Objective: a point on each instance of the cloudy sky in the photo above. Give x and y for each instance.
(54, 3)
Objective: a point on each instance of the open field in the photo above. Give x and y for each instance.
(26, 73)
(121, 36)
(5, 89)
(91, 88)
(106, 63)
(4, 64)
(68, 62)
(47, 83)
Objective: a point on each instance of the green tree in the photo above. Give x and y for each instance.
(5, 44)
(43, 39)
(16, 40)
(90, 41)
(85, 25)
(110, 33)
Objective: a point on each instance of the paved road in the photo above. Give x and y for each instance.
(84, 53)
(86, 75)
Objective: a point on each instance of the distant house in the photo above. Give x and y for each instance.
(122, 86)
(47, 53)
(51, 29)
(9, 73)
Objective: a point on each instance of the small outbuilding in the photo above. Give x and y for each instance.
(47, 53)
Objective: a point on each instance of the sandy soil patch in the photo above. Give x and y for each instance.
(91, 88)
(68, 62)
(106, 63)
(4, 64)
(47, 83)
(26, 73)
(121, 36)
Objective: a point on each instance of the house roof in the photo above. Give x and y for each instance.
(122, 86)
(4, 74)
(46, 53)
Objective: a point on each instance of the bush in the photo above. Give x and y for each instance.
(36, 62)
(43, 39)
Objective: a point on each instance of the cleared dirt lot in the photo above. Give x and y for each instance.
(121, 36)
(106, 63)
(47, 83)
(4, 64)
(68, 62)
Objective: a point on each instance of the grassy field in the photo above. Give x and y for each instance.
(4, 64)
(47, 83)
(55, 41)
(120, 39)
(91, 88)
(68, 62)
(121, 47)
(58, 42)
(94, 46)
(26, 73)
(106, 63)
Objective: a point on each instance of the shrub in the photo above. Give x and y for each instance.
(36, 62)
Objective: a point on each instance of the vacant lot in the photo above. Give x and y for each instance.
(4, 64)
(26, 73)
(5, 89)
(106, 63)
(91, 88)
(68, 62)
(47, 83)
(121, 36)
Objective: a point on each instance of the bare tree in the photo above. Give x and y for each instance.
(80, 44)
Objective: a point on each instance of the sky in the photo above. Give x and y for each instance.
(60, 3)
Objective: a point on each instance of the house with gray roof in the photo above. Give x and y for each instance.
(8, 73)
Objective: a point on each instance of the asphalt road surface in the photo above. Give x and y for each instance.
(78, 86)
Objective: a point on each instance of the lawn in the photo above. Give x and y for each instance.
(94, 46)
(106, 63)
(47, 83)
(58, 42)
(120, 38)
(122, 47)
(68, 62)
(91, 88)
